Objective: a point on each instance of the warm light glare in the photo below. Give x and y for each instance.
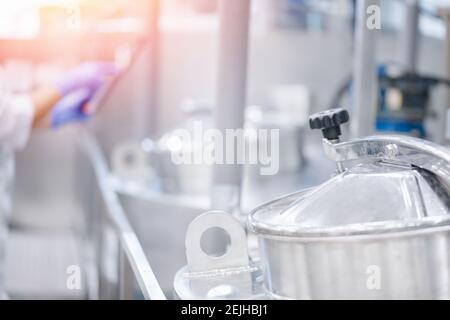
(19, 19)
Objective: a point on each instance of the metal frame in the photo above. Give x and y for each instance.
(234, 16)
(133, 264)
(364, 74)
(411, 35)
(444, 125)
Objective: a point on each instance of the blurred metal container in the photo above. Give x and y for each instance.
(192, 178)
(288, 113)
(150, 163)
(291, 139)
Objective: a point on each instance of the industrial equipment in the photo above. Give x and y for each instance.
(378, 229)
(403, 102)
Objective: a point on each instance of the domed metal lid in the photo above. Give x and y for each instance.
(385, 184)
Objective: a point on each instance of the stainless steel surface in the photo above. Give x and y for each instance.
(317, 170)
(160, 222)
(147, 119)
(236, 253)
(126, 289)
(381, 234)
(364, 95)
(443, 132)
(243, 283)
(411, 35)
(291, 136)
(406, 150)
(411, 265)
(158, 164)
(229, 275)
(231, 89)
(185, 142)
(129, 242)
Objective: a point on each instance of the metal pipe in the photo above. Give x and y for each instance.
(411, 35)
(231, 95)
(444, 132)
(364, 100)
(445, 136)
(147, 121)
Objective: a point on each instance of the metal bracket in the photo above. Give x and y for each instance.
(236, 255)
(121, 165)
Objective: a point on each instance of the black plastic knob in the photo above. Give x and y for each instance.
(329, 122)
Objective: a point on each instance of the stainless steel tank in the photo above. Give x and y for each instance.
(378, 229)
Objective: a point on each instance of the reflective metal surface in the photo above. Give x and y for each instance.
(379, 230)
(228, 275)
(132, 257)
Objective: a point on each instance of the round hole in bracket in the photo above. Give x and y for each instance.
(215, 242)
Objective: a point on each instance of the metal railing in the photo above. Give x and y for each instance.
(133, 264)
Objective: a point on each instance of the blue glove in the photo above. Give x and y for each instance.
(71, 108)
(77, 87)
(90, 75)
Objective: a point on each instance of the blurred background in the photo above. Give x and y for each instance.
(300, 58)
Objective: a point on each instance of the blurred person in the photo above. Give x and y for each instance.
(49, 106)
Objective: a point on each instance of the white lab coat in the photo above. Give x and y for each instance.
(16, 118)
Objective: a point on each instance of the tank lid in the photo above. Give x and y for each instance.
(383, 184)
(368, 198)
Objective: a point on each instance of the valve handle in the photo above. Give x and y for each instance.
(329, 122)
